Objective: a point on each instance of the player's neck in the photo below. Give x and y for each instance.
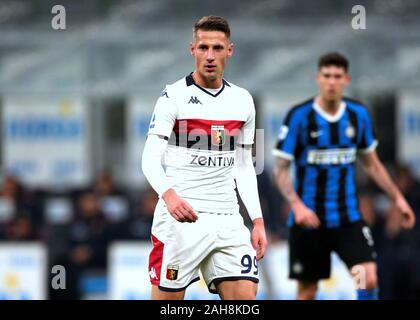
(329, 106)
(207, 83)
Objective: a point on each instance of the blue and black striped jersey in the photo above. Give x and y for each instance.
(324, 149)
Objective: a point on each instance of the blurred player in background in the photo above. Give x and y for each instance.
(324, 136)
(204, 127)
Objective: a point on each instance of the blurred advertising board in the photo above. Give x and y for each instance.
(139, 114)
(408, 128)
(23, 271)
(273, 108)
(129, 280)
(45, 140)
(128, 276)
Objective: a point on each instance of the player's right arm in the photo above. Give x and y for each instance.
(160, 129)
(303, 215)
(284, 151)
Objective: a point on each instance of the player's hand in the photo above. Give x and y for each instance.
(407, 214)
(180, 209)
(305, 216)
(258, 237)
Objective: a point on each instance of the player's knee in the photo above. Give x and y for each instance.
(307, 294)
(371, 281)
(248, 295)
(307, 291)
(239, 292)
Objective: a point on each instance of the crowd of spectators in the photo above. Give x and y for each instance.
(77, 226)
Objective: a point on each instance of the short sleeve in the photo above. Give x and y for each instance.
(164, 116)
(248, 129)
(288, 137)
(368, 141)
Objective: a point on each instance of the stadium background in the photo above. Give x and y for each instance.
(75, 106)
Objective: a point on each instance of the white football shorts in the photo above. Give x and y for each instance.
(217, 244)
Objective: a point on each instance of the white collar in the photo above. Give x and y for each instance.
(329, 117)
(214, 91)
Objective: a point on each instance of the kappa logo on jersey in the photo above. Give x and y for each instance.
(172, 272)
(194, 100)
(164, 93)
(218, 135)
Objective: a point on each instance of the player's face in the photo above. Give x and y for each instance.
(211, 50)
(332, 81)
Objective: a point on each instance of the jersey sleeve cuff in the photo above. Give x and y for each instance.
(162, 135)
(369, 149)
(255, 215)
(162, 189)
(245, 143)
(282, 154)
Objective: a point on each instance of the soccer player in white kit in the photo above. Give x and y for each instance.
(199, 143)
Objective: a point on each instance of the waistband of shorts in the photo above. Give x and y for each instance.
(217, 213)
(161, 206)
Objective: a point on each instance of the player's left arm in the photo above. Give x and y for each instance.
(246, 182)
(376, 170)
(246, 179)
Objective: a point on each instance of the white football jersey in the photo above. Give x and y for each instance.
(203, 130)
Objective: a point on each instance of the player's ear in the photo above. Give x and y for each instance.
(348, 79)
(317, 76)
(230, 49)
(192, 48)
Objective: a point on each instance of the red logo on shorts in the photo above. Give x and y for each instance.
(172, 272)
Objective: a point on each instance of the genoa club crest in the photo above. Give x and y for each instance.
(172, 272)
(218, 135)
